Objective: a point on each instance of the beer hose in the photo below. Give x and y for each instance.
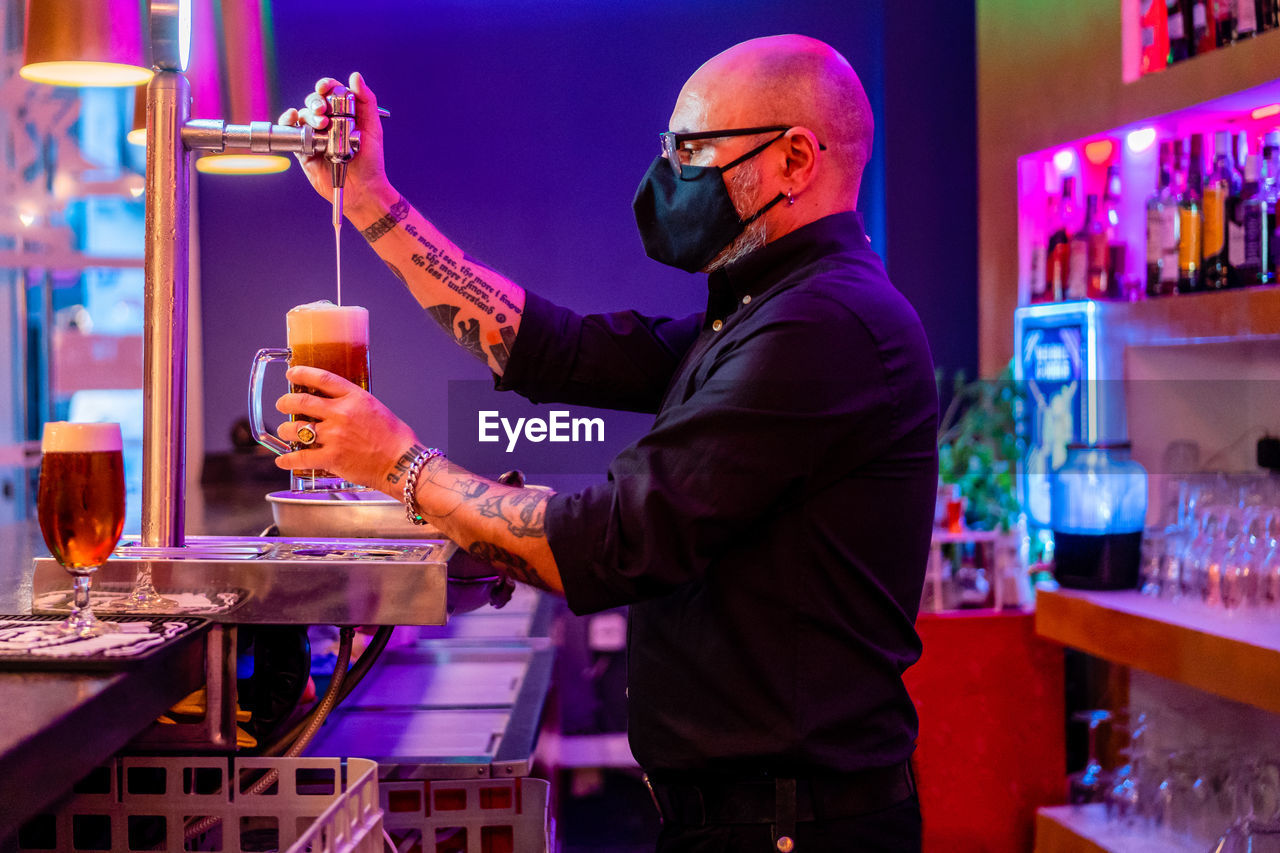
(315, 718)
(308, 725)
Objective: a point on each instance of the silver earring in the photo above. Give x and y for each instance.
(790, 198)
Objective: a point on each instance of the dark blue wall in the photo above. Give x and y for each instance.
(521, 127)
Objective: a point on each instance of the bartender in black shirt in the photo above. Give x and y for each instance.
(770, 532)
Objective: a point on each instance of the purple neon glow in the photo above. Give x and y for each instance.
(1064, 159)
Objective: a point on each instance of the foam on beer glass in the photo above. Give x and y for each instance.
(63, 437)
(332, 337)
(81, 498)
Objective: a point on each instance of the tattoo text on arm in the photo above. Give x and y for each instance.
(398, 212)
(402, 465)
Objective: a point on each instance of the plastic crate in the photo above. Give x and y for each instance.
(467, 815)
(147, 803)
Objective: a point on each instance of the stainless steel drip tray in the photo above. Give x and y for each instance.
(276, 581)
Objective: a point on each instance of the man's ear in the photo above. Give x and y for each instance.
(800, 150)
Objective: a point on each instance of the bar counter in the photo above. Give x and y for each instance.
(473, 705)
(59, 725)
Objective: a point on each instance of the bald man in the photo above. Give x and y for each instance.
(770, 531)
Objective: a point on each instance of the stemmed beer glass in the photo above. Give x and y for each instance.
(80, 505)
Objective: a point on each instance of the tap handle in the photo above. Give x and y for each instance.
(343, 142)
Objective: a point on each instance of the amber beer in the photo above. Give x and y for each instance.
(333, 338)
(80, 501)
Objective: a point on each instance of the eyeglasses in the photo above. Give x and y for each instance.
(678, 156)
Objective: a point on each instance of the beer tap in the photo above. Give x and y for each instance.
(338, 144)
(342, 141)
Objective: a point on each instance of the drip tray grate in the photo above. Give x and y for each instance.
(32, 642)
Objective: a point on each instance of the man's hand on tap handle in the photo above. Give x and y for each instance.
(368, 192)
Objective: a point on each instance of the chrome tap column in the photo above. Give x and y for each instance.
(168, 243)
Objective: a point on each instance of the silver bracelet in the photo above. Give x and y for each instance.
(411, 483)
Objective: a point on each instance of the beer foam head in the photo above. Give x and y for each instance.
(64, 437)
(323, 321)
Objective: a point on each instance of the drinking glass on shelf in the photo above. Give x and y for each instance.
(1269, 573)
(1177, 539)
(1195, 561)
(1089, 785)
(1244, 558)
(80, 506)
(1152, 568)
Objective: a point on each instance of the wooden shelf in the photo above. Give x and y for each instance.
(1232, 654)
(1085, 829)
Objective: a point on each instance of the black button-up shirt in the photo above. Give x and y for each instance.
(771, 531)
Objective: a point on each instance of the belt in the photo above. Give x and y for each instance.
(782, 801)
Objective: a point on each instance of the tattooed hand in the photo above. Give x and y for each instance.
(366, 183)
(357, 437)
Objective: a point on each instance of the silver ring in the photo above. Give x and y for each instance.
(307, 435)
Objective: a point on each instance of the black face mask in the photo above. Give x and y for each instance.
(686, 220)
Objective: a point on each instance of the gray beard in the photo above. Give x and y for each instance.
(743, 184)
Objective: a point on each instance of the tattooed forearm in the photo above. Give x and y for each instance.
(501, 349)
(396, 272)
(513, 565)
(466, 333)
(463, 278)
(398, 213)
(522, 510)
(469, 487)
(402, 465)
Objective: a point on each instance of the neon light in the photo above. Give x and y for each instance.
(1099, 151)
(1265, 112)
(1064, 160)
(1140, 140)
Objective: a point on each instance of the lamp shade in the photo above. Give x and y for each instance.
(85, 43)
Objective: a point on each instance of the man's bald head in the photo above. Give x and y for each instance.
(791, 79)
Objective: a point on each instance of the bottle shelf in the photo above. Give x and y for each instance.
(1232, 654)
(1085, 829)
(1247, 312)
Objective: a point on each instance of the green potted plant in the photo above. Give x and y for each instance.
(979, 448)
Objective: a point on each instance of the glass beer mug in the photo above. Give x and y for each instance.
(319, 334)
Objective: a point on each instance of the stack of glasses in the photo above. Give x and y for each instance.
(1191, 795)
(1221, 545)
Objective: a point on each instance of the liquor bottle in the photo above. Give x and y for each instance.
(1247, 19)
(1087, 276)
(1154, 36)
(1179, 33)
(1217, 189)
(1268, 14)
(1248, 243)
(1203, 32)
(1058, 254)
(1224, 20)
(1270, 190)
(1116, 248)
(1037, 281)
(1162, 230)
(1190, 220)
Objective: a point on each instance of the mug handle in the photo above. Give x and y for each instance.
(256, 427)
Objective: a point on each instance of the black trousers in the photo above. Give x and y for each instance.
(895, 829)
